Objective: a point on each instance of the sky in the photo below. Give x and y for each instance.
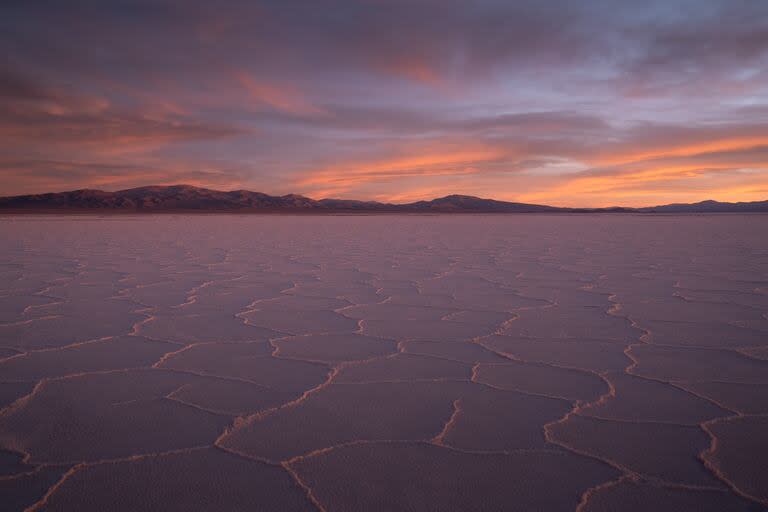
(568, 103)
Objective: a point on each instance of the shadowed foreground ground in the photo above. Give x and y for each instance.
(494, 363)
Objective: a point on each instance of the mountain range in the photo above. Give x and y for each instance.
(188, 199)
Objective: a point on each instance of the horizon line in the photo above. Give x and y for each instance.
(185, 185)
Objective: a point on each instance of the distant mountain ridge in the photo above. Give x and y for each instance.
(188, 198)
(708, 206)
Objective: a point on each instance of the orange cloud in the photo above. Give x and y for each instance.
(414, 163)
(680, 166)
(672, 148)
(655, 185)
(666, 170)
(279, 97)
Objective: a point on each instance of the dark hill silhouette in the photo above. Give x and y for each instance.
(189, 198)
(709, 206)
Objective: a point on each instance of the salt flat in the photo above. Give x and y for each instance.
(385, 362)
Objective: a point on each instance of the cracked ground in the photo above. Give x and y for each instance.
(415, 363)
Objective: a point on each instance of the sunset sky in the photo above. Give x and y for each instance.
(577, 103)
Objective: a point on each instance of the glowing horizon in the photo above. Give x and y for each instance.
(588, 105)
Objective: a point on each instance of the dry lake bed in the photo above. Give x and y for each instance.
(371, 363)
